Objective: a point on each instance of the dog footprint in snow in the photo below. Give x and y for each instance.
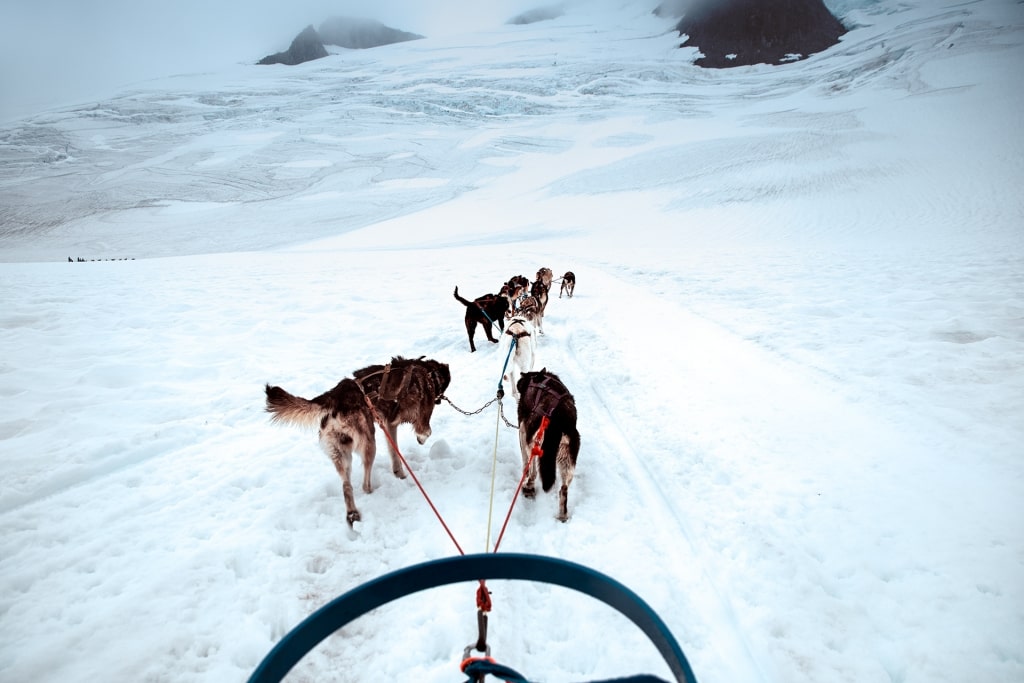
(317, 565)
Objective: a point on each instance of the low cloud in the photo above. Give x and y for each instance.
(55, 52)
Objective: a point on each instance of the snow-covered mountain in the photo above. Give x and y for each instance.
(796, 347)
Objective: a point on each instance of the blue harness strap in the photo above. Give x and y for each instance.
(465, 568)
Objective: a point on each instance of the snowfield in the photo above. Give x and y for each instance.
(796, 347)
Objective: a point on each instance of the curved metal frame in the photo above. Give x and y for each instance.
(513, 566)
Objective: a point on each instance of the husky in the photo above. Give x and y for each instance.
(515, 290)
(568, 284)
(346, 426)
(520, 332)
(539, 291)
(404, 391)
(542, 394)
(487, 310)
(545, 275)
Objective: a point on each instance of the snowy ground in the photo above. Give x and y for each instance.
(797, 348)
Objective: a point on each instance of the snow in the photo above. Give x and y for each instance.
(796, 348)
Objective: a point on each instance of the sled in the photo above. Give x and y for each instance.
(475, 568)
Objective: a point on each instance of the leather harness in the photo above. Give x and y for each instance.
(545, 395)
(393, 382)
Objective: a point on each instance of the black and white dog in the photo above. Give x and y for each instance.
(568, 284)
(542, 394)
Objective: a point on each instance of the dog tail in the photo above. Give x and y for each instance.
(549, 457)
(464, 301)
(553, 452)
(283, 407)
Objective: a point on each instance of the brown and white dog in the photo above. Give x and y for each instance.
(568, 284)
(542, 394)
(515, 290)
(401, 391)
(546, 276)
(539, 291)
(404, 391)
(346, 426)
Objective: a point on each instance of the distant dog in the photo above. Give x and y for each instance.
(568, 284)
(486, 310)
(520, 333)
(542, 394)
(545, 275)
(539, 291)
(404, 391)
(516, 289)
(345, 423)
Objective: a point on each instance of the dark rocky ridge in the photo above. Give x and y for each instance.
(741, 32)
(306, 47)
(344, 32)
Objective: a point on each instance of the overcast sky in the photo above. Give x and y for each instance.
(55, 52)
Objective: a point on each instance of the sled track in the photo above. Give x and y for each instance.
(694, 580)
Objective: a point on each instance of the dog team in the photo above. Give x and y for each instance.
(405, 391)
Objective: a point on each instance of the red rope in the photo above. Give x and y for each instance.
(483, 596)
(401, 457)
(535, 452)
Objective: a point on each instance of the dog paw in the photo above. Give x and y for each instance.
(353, 517)
(399, 473)
(529, 492)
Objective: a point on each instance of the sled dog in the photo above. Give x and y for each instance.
(568, 284)
(542, 394)
(486, 311)
(404, 391)
(516, 289)
(345, 424)
(545, 275)
(539, 291)
(520, 333)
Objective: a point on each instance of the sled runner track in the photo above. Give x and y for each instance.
(696, 581)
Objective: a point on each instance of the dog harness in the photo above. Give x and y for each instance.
(391, 386)
(517, 335)
(393, 382)
(545, 394)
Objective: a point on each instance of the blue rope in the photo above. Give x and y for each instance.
(501, 391)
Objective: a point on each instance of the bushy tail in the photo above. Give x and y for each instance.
(552, 440)
(295, 410)
(549, 460)
(464, 301)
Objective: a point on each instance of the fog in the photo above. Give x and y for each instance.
(60, 52)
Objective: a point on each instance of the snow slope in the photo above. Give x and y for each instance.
(796, 347)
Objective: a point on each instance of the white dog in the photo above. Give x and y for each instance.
(521, 333)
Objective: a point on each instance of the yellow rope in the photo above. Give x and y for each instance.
(494, 471)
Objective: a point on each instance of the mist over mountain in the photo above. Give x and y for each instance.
(359, 33)
(538, 14)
